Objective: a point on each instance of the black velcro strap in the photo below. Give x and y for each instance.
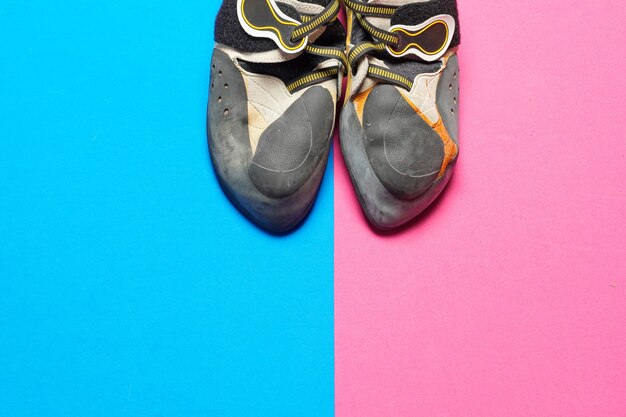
(229, 32)
(415, 13)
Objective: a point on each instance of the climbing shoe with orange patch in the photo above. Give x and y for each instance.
(399, 125)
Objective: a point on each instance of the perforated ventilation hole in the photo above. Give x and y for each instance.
(226, 85)
(220, 73)
(212, 85)
(226, 112)
(213, 66)
(452, 111)
(450, 87)
(219, 99)
(455, 75)
(454, 100)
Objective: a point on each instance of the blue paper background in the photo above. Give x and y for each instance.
(129, 286)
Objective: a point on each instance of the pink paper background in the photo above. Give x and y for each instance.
(508, 298)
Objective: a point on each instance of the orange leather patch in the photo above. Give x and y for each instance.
(451, 150)
(359, 103)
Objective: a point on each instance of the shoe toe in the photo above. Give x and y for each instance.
(276, 186)
(385, 197)
(400, 154)
(404, 151)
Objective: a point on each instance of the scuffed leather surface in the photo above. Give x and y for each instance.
(404, 151)
(291, 147)
(383, 209)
